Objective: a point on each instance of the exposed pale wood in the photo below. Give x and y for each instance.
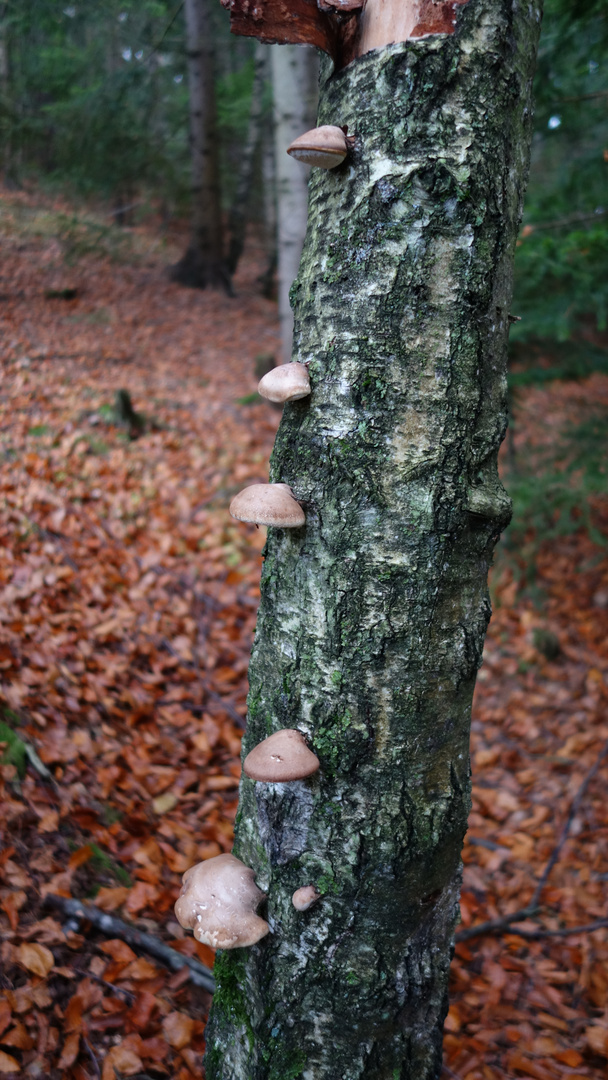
(386, 21)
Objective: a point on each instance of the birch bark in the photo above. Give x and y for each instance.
(372, 618)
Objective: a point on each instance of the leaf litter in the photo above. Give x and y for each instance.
(127, 604)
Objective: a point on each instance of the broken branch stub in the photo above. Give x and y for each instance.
(344, 29)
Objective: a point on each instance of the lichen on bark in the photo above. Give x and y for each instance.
(372, 618)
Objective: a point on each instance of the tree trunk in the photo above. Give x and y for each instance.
(293, 81)
(267, 279)
(203, 263)
(372, 618)
(237, 222)
(7, 106)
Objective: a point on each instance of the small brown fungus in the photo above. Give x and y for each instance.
(305, 897)
(218, 902)
(324, 147)
(280, 758)
(268, 504)
(288, 382)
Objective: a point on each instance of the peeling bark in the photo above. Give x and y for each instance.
(343, 29)
(373, 615)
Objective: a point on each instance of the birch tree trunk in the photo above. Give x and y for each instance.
(372, 618)
(294, 92)
(203, 262)
(237, 222)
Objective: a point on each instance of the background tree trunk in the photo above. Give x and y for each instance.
(294, 71)
(268, 278)
(237, 222)
(203, 263)
(7, 105)
(373, 616)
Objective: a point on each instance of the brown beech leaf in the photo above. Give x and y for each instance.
(141, 896)
(122, 1059)
(108, 899)
(18, 1037)
(178, 1029)
(36, 958)
(140, 970)
(5, 1014)
(597, 1039)
(70, 1051)
(118, 950)
(8, 1064)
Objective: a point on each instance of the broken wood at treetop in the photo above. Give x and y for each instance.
(344, 29)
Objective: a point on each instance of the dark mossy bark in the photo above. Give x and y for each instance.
(373, 616)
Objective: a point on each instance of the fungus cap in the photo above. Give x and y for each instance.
(268, 504)
(305, 897)
(325, 147)
(288, 382)
(280, 758)
(218, 903)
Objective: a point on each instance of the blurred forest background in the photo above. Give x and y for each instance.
(94, 105)
(128, 595)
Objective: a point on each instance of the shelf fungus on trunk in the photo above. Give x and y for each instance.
(288, 382)
(219, 902)
(280, 758)
(268, 504)
(324, 147)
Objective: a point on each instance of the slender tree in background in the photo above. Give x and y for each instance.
(373, 615)
(237, 220)
(294, 78)
(203, 262)
(5, 102)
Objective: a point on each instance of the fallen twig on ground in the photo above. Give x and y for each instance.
(506, 922)
(576, 802)
(112, 926)
(496, 926)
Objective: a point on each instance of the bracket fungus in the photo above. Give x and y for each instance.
(218, 902)
(280, 758)
(268, 504)
(288, 382)
(304, 898)
(324, 147)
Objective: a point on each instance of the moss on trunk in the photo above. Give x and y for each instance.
(373, 616)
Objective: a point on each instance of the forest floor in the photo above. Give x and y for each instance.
(127, 604)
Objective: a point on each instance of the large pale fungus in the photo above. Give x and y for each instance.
(218, 902)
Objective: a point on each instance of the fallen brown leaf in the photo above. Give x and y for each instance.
(36, 958)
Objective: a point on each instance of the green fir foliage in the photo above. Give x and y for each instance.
(555, 494)
(561, 265)
(96, 98)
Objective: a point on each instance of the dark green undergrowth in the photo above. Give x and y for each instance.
(555, 493)
(13, 750)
